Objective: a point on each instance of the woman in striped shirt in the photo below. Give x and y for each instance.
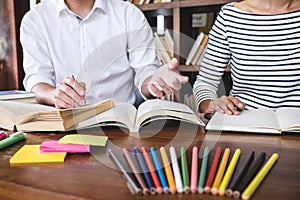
(260, 39)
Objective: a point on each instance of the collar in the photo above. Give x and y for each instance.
(99, 4)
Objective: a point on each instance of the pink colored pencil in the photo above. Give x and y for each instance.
(194, 170)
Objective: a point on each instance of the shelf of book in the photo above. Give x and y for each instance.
(182, 4)
(188, 68)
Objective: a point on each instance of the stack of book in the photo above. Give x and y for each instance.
(164, 46)
(197, 51)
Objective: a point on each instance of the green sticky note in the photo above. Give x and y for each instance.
(93, 140)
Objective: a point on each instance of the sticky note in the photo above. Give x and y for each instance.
(30, 154)
(54, 146)
(94, 140)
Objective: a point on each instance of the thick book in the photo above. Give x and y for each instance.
(36, 117)
(258, 121)
(126, 115)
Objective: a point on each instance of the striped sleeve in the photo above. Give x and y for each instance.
(214, 63)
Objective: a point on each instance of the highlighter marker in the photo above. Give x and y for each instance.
(13, 138)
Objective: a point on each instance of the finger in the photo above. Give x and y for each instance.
(61, 100)
(79, 88)
(163, 86)
(67, 94)
(172, 64)
(238, 105)
(154, 91)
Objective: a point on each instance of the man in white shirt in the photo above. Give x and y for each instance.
(78, 52)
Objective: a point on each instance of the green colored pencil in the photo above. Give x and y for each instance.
(185, 171)
(202, 174)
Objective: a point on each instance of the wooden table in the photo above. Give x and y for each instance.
(93, 176)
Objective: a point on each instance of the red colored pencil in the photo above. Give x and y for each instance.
(152, 171)
(212, 170)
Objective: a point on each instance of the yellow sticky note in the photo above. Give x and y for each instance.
(94, 140)
(30, 154)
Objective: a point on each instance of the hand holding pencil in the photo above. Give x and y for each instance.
(69, 93)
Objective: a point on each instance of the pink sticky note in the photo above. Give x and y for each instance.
(54, 146)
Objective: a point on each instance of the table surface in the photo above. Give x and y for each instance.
(94, 175)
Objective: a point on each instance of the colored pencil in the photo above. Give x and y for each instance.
(176, 171)
(152, 171)
(259, 177)
(131, 183)
(202, 174)
(237, 179)
(194, 170)
(220, 173)
(229, 172)
(145, 170)
(168, 171)
(185, 171)
(254, 168)
(135, 171)
(212, 170)
(159, 170)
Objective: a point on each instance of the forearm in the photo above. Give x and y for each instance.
(44, 93)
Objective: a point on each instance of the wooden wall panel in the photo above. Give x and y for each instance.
(8, 56)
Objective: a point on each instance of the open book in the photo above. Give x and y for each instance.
(37, 117)
(259, 121)
(126, 115)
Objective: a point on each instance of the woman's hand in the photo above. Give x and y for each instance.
(226, 104)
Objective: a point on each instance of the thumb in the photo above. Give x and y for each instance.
(172, 64)
(183, 79)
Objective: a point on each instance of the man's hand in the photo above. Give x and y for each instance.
(67, 94)
(164, 81)
(225, 104)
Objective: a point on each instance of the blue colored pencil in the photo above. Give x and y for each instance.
(145, 170)
(160, 172)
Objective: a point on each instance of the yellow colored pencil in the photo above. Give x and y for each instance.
(229, 172)
(259, 177)
(220, 173)
(168, 170)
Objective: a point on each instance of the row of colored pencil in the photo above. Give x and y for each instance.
(150, 175)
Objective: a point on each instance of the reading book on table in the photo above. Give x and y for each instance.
(126, 115)
(37, 117)
(258, 120)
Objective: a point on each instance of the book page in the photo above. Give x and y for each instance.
(160, 108)
(122, 113)
(256, 120)
(16, 110)
(289, 118)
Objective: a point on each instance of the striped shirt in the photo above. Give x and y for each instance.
(264, 54)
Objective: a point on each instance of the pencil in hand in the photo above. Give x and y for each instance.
(82, 98)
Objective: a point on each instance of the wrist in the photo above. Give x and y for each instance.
(204, 105)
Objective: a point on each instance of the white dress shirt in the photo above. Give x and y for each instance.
(112, 49)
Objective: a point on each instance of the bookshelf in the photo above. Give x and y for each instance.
(180, 12)
(178, 17)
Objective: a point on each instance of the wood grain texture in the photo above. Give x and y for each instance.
(93, 176)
